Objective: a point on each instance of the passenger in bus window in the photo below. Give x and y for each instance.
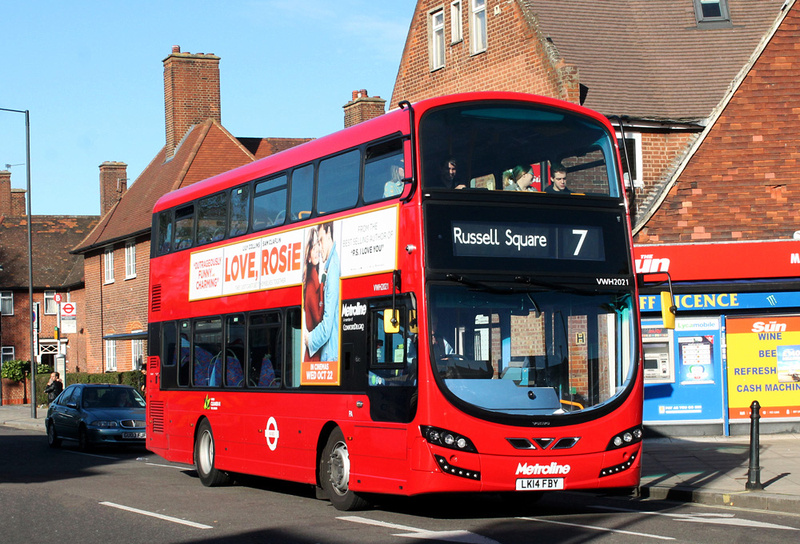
(313, 299)
(395, 185)
(518, 178)
(450, 177)
(325, 336)
(558, 180)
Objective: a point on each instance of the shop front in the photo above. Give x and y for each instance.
(736, 338)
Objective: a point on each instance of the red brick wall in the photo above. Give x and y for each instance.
(742, 183)
(516, 59)
(122, 305)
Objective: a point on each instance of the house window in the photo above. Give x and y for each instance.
(7, 354)
(477, 26)
(437, 39)
(130, 260)
(137, 354)
(711, 11)
(630, 151)
(50, 306)
(108, 260)
(111, 355)
(456, 33)
(6, 303)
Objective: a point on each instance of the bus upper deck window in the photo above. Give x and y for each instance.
(302, 195)
(384, 171)
(164, 232)
(184, 226)
(269, 203)
(240, 210)
(212, 218)
(338, 182)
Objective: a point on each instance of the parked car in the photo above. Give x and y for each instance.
(97, 414)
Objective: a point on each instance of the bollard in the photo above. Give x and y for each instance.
(754, 471)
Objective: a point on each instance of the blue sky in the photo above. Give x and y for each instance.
(91, 75)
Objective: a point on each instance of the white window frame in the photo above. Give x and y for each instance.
(456, 28)
(137, 353)
(6, 354)
(478, 31)
(638, 181)
(50, 306)
(437, 49)
(111, 355)
(6, 299)
(130, 260)
(108, 262)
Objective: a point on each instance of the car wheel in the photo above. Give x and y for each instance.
(83, 439)
(52, 437)
(204, 458)
(334, 474)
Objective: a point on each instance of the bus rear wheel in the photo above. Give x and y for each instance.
(209, 475)
(334, 474)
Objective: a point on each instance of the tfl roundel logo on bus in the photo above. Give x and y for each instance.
(272, 434)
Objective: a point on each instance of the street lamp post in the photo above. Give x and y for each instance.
(30, 249)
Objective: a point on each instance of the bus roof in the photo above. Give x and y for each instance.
(395, 121)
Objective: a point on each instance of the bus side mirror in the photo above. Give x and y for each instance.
(668, 310)
(391, 321)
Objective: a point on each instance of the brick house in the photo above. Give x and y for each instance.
(55, 271)
(117, 250)
(706, 93)
(645, 61)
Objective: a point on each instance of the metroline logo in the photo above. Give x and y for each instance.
(552, 468)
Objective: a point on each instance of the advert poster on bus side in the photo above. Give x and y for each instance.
(315, 257)
(764, 365)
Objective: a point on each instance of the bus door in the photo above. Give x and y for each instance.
(383, 357)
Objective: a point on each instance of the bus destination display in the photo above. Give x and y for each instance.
(527, 241)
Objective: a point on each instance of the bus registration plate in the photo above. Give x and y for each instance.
(539, 484)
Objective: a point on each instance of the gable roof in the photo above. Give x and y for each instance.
(649, 59)
(206, 150)
(739, 179)
(52, 238)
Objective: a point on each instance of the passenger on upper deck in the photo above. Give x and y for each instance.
(394, 186)
(558, 180)
(518, 178)
(450, 177)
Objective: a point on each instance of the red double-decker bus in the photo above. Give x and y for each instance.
(441, 299)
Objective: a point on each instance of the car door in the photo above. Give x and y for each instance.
(58, 409)
(70, 414)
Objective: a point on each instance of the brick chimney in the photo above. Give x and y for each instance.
(362, 108)
(5, 192)
(191, 93)
(12, 201)
(113, 184)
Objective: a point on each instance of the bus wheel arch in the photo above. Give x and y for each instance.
(204, 453)
(333, 472)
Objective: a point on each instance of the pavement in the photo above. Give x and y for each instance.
(711, 470)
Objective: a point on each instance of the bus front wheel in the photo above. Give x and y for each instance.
(209, 475)
(334, 474)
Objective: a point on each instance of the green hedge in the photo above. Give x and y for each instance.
(133, 378)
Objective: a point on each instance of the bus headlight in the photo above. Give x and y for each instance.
(625, 438)
(447, 439)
